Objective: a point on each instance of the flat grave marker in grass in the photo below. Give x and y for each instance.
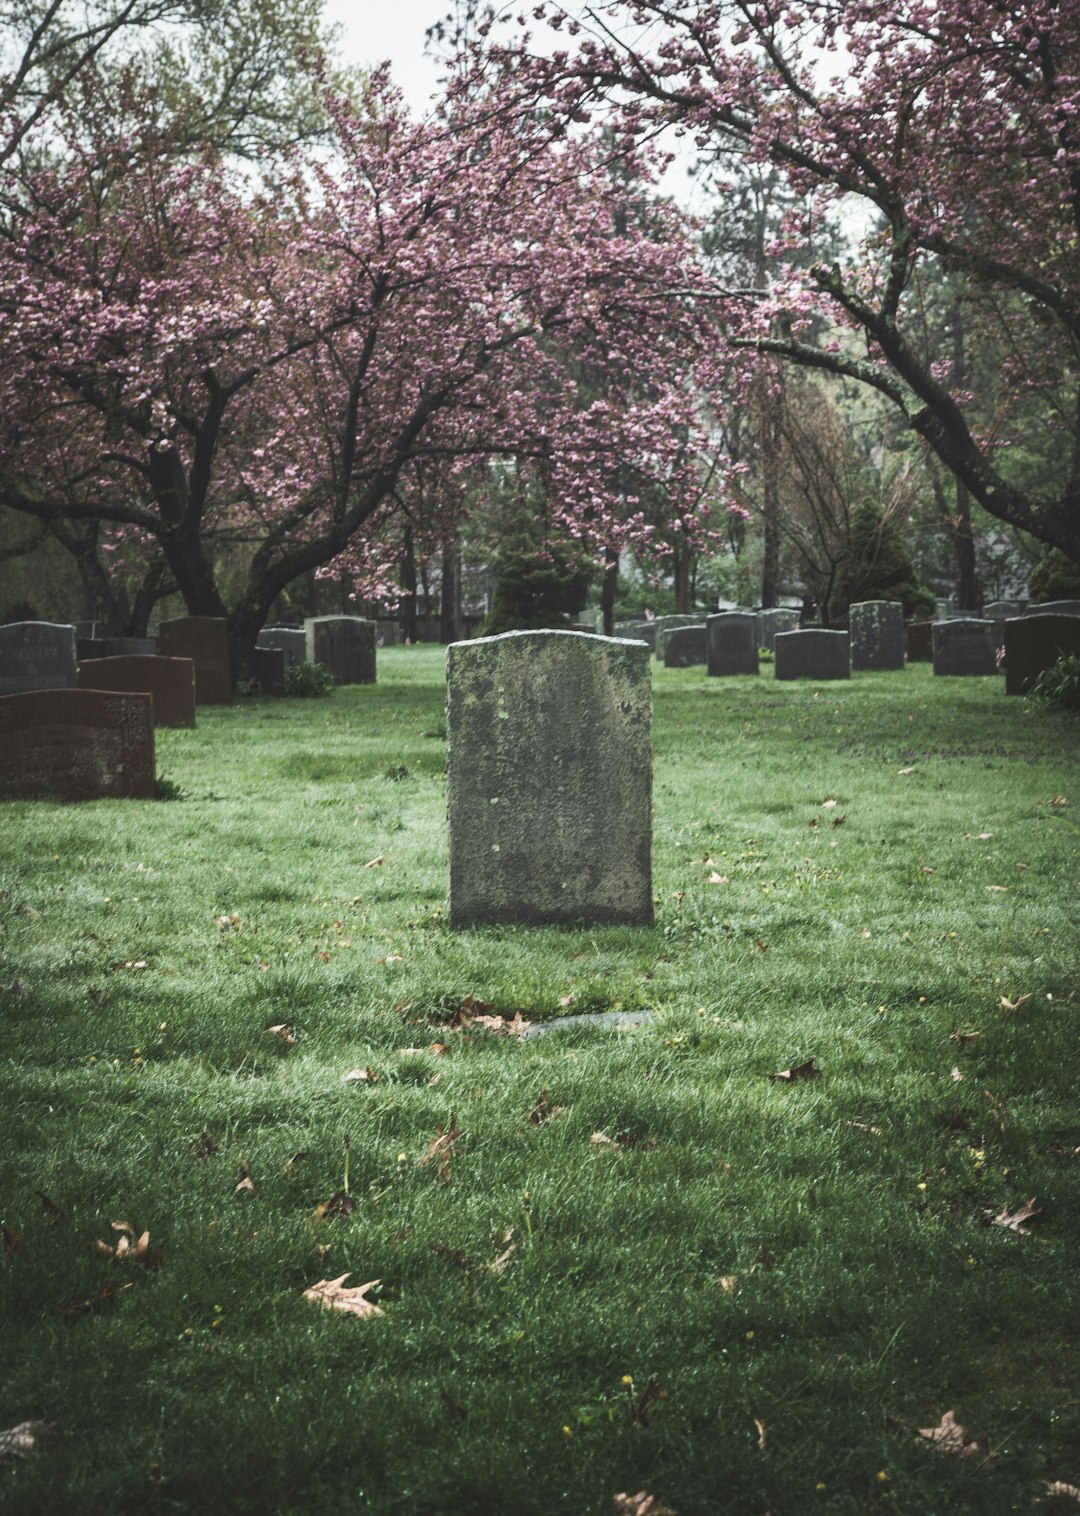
(76, 745)
(550, 780)
(37, 655)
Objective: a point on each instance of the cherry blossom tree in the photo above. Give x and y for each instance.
(951, 127)
(207, 365)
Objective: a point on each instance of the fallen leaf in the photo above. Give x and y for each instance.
(762, 947)
(500, 1264)
(791, 1076)
(729, 1283)
(761, 1435)
(440, 1049)
(132, 1247)
(862, 1126)
(715, 878)
(202, 1147)
(360, 1076)
(639, 1409)
(457, 1411)
(866, 933)
(22, 1440)
(283, 1031)
(1059, 801)
(377, 863)
(956, 1076)
(625, 1140)
(95, 1303)
(514, 1027)
(904, 772)
(950, 1437)
(439, 1148)
(925, 870)
(978, 836)
(1013, 1221)
(290, 1163)
(543, 1111)
(1014, 1005)
(1058, 1487)
(963, 1038)
(828, 804)
(340, 1203)
(838, 820)
(640, 1504)
(332, 1294)
(996, 889)
(766, 1259)
(997, 1109)
(245, 1185)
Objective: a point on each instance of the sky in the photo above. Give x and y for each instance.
(394, 29)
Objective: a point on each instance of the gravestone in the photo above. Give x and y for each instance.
(877, 634)
(171, 681)
(76, 745)
(205, 640)
(1001, 610)
(343, 644)
(291, 640)
(37, 655)
(1034, 643)
(685, 647)
(813, 653)
(666, 624)
(919, 636)
(388, 632)
(732, 643)
(638, 631)
(549, 780)
(115, 647)
(1054, 608)
(964, 646)
(268, 670)
(776, 619)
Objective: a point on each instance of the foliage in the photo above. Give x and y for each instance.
(1058, 687)
(308, 681)
(1055, 577)
(880, 567)
(536, 592)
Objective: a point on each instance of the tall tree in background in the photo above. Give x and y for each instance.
(955, 125)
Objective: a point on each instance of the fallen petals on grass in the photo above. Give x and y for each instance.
(333, 1295)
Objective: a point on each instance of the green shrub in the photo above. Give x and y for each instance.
(1058, 687)
(308, 681)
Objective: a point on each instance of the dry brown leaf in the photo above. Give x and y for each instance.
(332, 1294)
(766, 1260)
(639, 1409)
(203, 1146)
(761, 1434)
(1059, 801)
(131, 1247)
(290, 1163)
(963, 1038)
(903, 772)
(640, 1504)
(440, 1049)
(245, 1185)
(729, 1283)
(500, 1264)
(1058, 1487)
(997, 1109)
(793, 1075)
(956, 1076)
(715, 878)
(377, 863)
(283, 1031)
(22, 1440)
(1013, 1221)
(543, 1111)
(838, 820)
(1013, 1005)
(950, 1437)
(360, 1076)
(340, 1203)
(996, 889)
(827, 805)
(95, 1303)
(440, 1146)
(926, 870)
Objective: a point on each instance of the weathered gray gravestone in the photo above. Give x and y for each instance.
(171, 681)
(776, 619)
(1035, 643)
(549, 780)
(877, 634)
(919, 636)
(732, 638)
(343, 644)
(37, 655)
(1054, 608)
(813, 653)
(965, 646)
(292, 640)
(685, 647)
(76, 745)
(666, 624)
(1001, 610)
(638, 631)
(205, 640)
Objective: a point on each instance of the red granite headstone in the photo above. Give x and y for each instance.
(171, 681)
(205, 640)
(76, 745)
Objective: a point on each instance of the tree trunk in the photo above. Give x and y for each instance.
(450, 625)
(407, 606)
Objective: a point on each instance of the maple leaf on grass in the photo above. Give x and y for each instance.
(93, 1304)
(334, 1296)
(793, 1075)
(1013, 1221)
(641, 1504)
(22, 1440)
(950, 1437)
(440, 1148)
(131, 1247)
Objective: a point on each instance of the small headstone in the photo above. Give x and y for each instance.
(76, 745)
(666, 624)
(37, 655)
(813, 653)
(1001, 610)
(1054, 608)
(776, 619)
(171, 681)
(268, 670)
(877, 634)
(638, 631)
(343, 644)
(732, 638)
(685, 647)
(549, 780)
(1035, 643)
(919, 636)
(388, 632)
(129, 647)
(292, 641)
(964, 646)
(205, 640)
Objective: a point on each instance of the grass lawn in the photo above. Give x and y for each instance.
(607, 1261)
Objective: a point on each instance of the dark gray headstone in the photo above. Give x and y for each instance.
(37, 655)
(877, 634)
(1054, 608)
(205, 640)
(965, 646)
(638, 631)
(777, 619)
(1001, 610)
(292, 641)
(549, 780)
(732, 638)
(1035, 643)
(171, 682)
(268, 670)
(388, 632)
(343, 644)
(813, 653)
(685, 647)
(76, 745)
(919, 636)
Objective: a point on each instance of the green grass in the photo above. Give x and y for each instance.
(813, 1257)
